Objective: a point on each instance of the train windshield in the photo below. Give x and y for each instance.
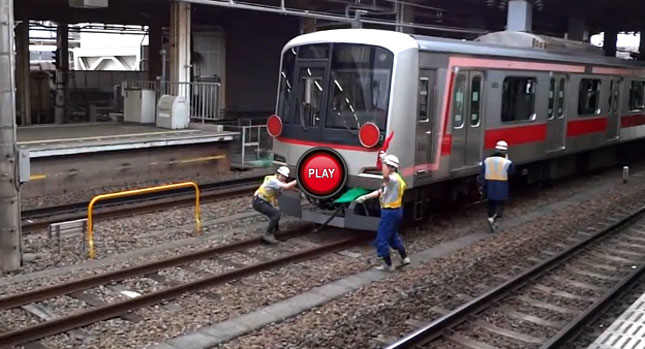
(330, 90)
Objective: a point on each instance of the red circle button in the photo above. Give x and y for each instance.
(321, 173)
(274, 126)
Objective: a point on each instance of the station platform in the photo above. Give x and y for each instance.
(627, 332)
(74, 162)
(74, 139)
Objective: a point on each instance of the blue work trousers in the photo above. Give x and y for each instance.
(388, 232)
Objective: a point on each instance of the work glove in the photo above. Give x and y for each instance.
(361, 199)
(381, 155)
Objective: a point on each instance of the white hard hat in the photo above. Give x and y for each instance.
(392, 160)
(501, 145)
(283, 170)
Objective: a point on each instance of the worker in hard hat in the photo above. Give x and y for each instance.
(265, 200)
(391, 200)
(494, 181)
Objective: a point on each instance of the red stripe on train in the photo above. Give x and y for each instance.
(583, 127)
(632, 121)
(515, 135)
(446, 145)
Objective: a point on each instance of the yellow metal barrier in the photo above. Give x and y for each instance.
(90, 208)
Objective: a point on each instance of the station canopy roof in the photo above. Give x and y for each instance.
(550, 16)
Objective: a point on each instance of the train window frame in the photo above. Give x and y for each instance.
(552, 99)
(630, 101)
(532, 116)
(614, 96)
(479, 100)
(427, 101)
(581, 90)
(453, 113)
(562, 97)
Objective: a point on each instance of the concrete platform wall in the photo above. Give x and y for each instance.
(76, 178)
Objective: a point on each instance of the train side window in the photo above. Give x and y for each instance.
(562, 88)
(589, 97)
(551, 112)
(636, 96)
(424, 100)
(615, 96)
(458, 101)
(518, 99)
(475, 100)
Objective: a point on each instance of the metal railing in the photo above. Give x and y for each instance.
(202, 98)
(120, 194)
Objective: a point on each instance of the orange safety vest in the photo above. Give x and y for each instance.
(397, 203)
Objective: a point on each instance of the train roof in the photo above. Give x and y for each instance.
(503, 44)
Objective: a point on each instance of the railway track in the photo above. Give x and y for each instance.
(37, 219)
(151, 270)
(549, 304)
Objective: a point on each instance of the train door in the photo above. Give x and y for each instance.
(557, 119)
(425, 150)
(613, 122)
(467, 135)
(311, 93)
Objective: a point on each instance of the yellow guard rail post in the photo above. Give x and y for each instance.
(90, 208)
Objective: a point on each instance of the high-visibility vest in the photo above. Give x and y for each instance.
(496, 168)
(264, 194)
(397, 203)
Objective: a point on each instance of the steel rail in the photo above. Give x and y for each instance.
(438, 327)
(573, 329)
(41, 294)
(59, 325)
(120, 208)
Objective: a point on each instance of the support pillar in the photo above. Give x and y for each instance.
(62, 72)
(154, 49)
(180, 18)
(577, 29)
(307, 25)
(10, 227)
(404, 15)
(520, 16)
(22, 72)
(641, 49)
(610, 41)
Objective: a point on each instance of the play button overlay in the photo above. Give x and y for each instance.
(321, 173)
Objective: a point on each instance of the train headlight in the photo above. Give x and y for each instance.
(369, 135)
(274, 126)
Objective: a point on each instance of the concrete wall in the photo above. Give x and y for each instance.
(253, 44)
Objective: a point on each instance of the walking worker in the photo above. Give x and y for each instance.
(265, 200)
(495, 172)
(390, 196)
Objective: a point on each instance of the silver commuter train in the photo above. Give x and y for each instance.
(562, 108)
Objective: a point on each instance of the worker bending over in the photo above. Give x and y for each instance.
(265, 200)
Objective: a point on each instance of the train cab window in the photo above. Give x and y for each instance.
(589, 97)
(458, 101)
(360, 87)
(551, 112)
(562, 88)
(311, 94)
(637, 96)
(518, 99)
(424, 100)
(287, 91)
(475, 100)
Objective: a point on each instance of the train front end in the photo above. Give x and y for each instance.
(346, 91)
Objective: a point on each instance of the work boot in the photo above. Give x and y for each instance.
(385, 267)
(405, 261)
(269, 238)
(491, 224)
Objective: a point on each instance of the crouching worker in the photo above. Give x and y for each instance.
(265, 200)
(390, 195)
